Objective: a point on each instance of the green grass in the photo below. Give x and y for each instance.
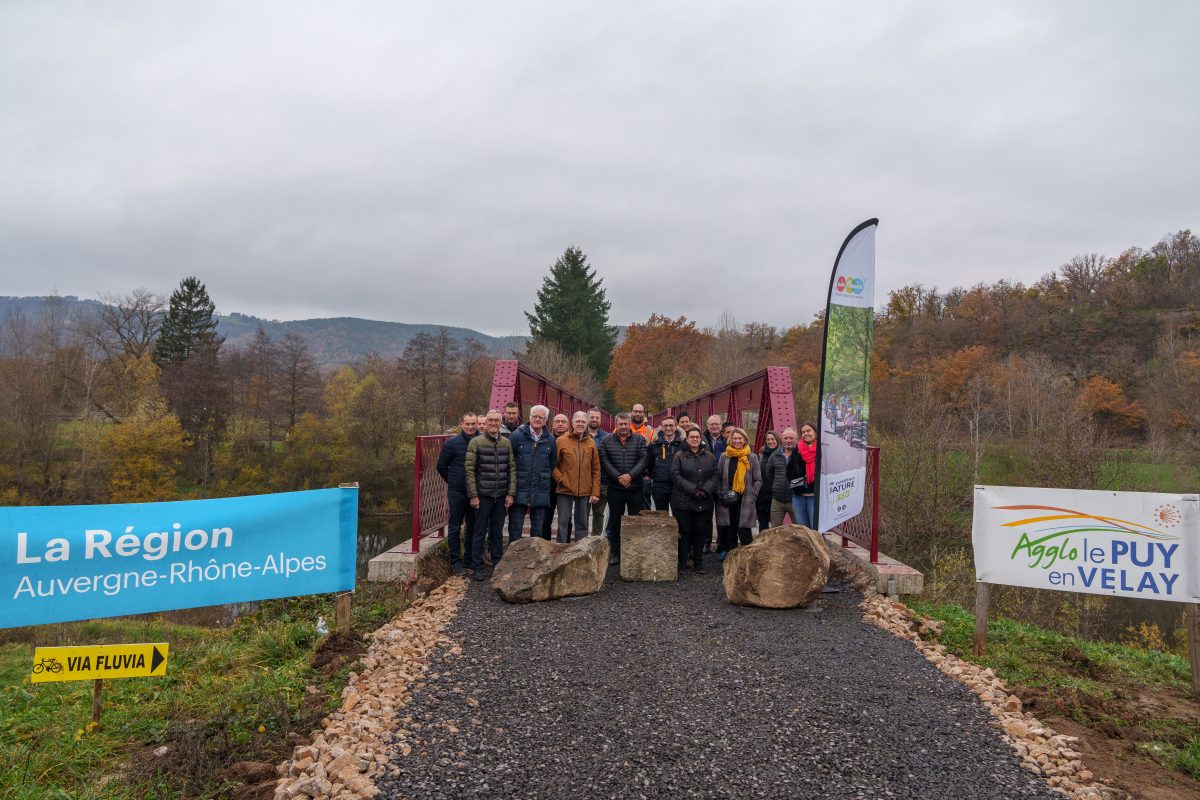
(229, 694)
(1094, 683)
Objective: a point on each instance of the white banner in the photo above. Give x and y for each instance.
(846, 381)
(1124, 544)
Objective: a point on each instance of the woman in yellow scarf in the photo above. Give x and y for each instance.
(740, 476)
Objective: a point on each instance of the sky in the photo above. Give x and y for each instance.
(428, 161)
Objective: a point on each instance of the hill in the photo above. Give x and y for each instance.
(333, 341)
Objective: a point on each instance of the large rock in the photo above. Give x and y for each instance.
(785, 567)
(649, 547)
(534, 569)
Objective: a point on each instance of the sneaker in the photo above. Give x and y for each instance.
(479, 575)
(721, 555)
(698, 569)
(612, 562)
(458, 569)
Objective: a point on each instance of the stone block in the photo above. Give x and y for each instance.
(649, 547)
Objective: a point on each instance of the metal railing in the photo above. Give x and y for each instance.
(431, 504)
(863, 529)
(513, 382)
(767, 392)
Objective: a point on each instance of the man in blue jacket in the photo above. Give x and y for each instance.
(452, 466)
(535, 452)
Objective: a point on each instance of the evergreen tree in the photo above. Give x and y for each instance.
(572, 312)
(189, 322)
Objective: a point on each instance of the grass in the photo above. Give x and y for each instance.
(235, 693)
(1097, 684)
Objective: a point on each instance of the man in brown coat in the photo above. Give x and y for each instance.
(577, 478)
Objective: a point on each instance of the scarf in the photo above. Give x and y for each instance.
(743, 465)
(809, 453)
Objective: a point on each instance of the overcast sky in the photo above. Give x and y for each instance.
(428, 161)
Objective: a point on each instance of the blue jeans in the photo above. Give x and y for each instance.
(516, 521)
(461, 514)
(802, 510)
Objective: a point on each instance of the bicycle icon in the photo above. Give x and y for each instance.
(47, 665)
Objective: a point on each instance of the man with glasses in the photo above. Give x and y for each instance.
(452, 466)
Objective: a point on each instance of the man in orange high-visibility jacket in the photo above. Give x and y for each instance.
(639, 425)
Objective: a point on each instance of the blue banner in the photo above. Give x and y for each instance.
(63, 563)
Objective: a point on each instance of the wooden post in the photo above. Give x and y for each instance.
(1192, 621)
(341, 614)
(97, 690)
(983, 597)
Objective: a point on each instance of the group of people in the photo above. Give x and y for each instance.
(499, 468)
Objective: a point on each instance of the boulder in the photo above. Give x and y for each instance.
(534, 569)
(649, 547)
(785, 567)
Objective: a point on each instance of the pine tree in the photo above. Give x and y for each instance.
(189, 322)
(572, 312)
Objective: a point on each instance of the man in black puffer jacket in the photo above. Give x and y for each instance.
(623, 462)
(667, 442)
(491, 483)
(452, 466)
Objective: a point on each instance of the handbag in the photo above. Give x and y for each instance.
(729, 498)
(798, 484)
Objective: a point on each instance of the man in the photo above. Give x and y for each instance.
(712, 436)
(682, 423)
(491, 484)
(598, 435)
(667, 442)
(783, 465)
(452, 466)
(559, 427)
(534, 452)
(512, 419)
(638, 424)
(577, 476)
(623, 460)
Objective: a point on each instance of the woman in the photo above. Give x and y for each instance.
(763, 502)
(740, 475)
(693, 484)
(802, 501)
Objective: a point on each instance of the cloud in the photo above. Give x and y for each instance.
(427, 162)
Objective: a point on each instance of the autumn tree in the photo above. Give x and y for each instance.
(143, 451)
(572, 311)
(654, 357)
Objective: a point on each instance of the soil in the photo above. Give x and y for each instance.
(1109, 742)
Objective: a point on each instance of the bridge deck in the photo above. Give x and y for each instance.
(666, 690)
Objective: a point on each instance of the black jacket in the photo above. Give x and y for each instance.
(452, 462)
(779, 474)
(691, 471)
(716, 445)
(617, 458)
(661, 454)
(491, 468)
(763, 501)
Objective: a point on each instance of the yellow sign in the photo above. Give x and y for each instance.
(99, 661)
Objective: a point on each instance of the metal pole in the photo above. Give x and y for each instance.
(874, 464)
(418, 468)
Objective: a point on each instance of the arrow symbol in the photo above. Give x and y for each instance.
(155, 659)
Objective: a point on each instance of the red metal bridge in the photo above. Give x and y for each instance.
(758, 402)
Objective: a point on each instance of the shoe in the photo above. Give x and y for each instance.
(698, 569)
(721, 555)
(706, 548)
(458, 569)
(612, 562)
(487, 561)
(479, 575)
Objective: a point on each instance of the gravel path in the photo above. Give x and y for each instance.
(665, 690)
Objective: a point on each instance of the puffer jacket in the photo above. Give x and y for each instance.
(452, 462)
(618, 458)
(577, 472)
(491, 469)
(662, 452)
(780, 471)
(535, 464)
(748, 516)
(691, 471)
